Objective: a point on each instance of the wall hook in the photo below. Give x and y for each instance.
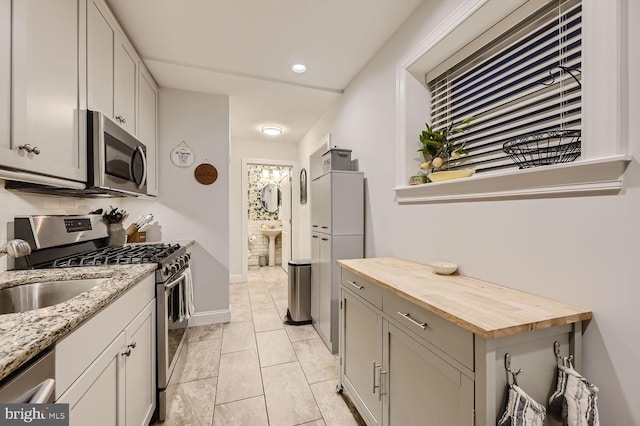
(561, 359)
(507, 366)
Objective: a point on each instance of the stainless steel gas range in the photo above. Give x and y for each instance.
(72, 241)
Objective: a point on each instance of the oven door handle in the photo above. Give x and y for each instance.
(175, 282)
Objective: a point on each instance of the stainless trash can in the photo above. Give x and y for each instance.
(262, 260)
(299, 311)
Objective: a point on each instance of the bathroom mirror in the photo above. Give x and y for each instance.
(271, 197)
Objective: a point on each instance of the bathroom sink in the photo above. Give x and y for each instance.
(271, 233)
(27, 297)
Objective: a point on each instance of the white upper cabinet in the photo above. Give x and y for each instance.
(5, 76)
(112, 68)
(100, 40)
(47, 95)
(119, 85)
(125, 76)
(148, 125)
(58, 59)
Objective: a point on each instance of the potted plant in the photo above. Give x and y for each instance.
(437, 147)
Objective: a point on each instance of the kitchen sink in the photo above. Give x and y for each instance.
(27, 297)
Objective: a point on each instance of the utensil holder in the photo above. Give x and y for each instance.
(117, 236)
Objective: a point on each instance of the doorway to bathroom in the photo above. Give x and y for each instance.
(267, 195)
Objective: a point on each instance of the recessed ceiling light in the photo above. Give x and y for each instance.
(271, 130)
(298, 68)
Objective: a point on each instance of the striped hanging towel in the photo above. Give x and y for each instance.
(521, 409)
(574, 401)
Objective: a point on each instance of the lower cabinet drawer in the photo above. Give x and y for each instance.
(363, 288)
(445, 335)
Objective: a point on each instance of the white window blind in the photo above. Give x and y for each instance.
(523, 82)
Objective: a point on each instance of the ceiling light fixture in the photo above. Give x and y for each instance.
(298, 68)
(271, 130)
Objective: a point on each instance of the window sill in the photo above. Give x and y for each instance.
(588, 177)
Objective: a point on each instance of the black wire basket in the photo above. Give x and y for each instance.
(544, 148)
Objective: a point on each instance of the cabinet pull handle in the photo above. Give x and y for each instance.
(359, 287)
(324, 227)
(121, 119)
(381, 385)
(374, 376)
(325, 239)
(130, 346)
(314, 236)
(314, 226)
(422, 325)
(31, 149)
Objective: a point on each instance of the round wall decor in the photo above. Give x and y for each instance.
(206, 173)
(182, 155)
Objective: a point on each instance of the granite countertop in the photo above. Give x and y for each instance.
(488, 310)
(24, 335)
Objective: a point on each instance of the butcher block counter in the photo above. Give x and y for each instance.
(417, 345)
(488, 310)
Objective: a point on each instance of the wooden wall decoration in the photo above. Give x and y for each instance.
(206, 173)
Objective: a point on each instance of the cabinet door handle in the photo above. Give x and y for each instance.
(381, 385)
(30, 149)
(422, 325)
(359, 287)
(324, 227)
(373, 374)
(121, 119)
(314, 236)
(325, 239)
(314, 226)
(130, 346)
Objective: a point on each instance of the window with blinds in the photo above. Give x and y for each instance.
(523, 82)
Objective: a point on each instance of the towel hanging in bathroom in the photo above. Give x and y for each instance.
(574, 401)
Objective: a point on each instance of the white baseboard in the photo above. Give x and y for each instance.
(237, 278)
(210, 317)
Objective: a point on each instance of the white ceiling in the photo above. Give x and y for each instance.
(244, 48)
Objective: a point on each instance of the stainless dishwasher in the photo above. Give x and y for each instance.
(35, 384)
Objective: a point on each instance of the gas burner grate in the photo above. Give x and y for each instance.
(144, 253)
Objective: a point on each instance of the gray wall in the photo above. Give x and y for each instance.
(188, 210)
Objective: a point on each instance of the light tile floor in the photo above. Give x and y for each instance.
(256, 370)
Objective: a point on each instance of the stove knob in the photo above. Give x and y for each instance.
(174, 269)
(166, 270)
(182, 261)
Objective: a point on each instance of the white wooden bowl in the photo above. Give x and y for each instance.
(444, 268)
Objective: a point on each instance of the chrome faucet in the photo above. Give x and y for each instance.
(15, 248)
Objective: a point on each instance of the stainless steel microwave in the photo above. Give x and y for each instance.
(117, 161)
(116, 165)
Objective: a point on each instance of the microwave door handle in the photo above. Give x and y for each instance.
(144, 166)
